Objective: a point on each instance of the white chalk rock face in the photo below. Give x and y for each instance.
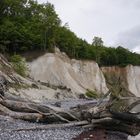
(58, 69)
(129, 77)
(133, 79)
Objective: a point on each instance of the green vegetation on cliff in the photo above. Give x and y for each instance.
(19, 64)
(26, 25)
(92, 94)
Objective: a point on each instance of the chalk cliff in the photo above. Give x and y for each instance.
(56, 76)
(78, 75)
(126, 79)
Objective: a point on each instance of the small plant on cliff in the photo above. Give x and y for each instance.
(19, 64)
(92, 94)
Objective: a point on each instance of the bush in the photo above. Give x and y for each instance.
(19, 64)
(92, 94)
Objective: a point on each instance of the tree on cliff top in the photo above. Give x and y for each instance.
(26, 25)
(97, 41)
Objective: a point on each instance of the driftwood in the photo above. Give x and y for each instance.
(114, 114)
(19, 115)
(44, 127)
(92, 115)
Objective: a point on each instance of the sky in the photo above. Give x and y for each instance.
(117, 22)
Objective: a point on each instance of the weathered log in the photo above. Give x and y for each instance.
(18, 115)
(48, 112)
(44, 127)
(117, 125)
(127, 117)
(113, 125)
(17, 106)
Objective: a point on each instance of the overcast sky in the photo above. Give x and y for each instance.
(116, 21)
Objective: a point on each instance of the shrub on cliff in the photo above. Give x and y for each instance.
(19, 64)
(92, 94)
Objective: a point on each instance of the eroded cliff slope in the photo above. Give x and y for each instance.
(56, 76)
(27, 88)
(77, 75)
(124, 80)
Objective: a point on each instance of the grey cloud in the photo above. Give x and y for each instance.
(128, 3)
(130, 38)
(104, 18)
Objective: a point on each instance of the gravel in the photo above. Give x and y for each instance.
(7, 124)
(66, 104)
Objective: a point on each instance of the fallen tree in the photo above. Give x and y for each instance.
(119, 114)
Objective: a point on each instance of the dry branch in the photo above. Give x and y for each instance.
(49, 126)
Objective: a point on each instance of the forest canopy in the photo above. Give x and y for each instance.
(26, 25)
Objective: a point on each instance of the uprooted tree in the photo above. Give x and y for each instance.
(120, 114)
